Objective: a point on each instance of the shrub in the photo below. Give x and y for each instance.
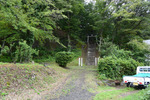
(24, 52)
(139, 50)
(115, 68)
(5, 58)
(145, 94)
(5, 50)
(118, 62)
(107, 48)
(4, 54)
(63, 58)
(110, 49)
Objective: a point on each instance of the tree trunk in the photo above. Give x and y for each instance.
(69, 43)
(69, 40)
(3, 44)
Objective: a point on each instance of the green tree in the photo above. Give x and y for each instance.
(28, 20)
(121, 20)
(32, 19)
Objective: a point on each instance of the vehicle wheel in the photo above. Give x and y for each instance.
(128, 84)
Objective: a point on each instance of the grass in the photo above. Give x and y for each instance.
(112, 94)
(134, 96)
(103, 92)
(143, 94)
(45, 59)
(16, 78)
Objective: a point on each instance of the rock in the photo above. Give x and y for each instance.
(100, 83)
(117, 82)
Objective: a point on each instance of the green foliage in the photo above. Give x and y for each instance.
(24, 53)
(27, 76)
(78, 24)
(110, 49)
(29, 20)
(77, 53)
(4, 50)
(140, 95)
(5, 58)
(146, 94)
(39, 21)
(4, 54)
(102, 77)
(116, 62)
(122, 20)
(4, 94)
(107, 48)
(112, 94)
(114, 67)
(62, 58)
(139, 50)
(48, 58)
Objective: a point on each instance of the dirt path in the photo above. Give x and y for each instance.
(128, 93)
(81, 85)
(75, 88)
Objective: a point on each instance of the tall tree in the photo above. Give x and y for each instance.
(31, 19)
(121, 20)
(71, 25)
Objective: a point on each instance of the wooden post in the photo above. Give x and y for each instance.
(96, 61)
(79, 61)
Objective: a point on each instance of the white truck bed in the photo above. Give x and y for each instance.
(142, 78)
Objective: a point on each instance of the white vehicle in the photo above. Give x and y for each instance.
(141, 79)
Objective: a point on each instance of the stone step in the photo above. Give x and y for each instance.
(91, 49)
(91, 53)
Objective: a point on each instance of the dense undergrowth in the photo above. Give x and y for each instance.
(116, 62)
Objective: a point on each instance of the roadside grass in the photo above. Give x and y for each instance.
(17, 78)
(45, 59)
(112, 94)
(92, 86)
(136, 96)
(103, 91)
(143, 94)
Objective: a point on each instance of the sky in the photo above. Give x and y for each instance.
(87, 1)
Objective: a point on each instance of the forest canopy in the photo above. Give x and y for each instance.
(49, 26)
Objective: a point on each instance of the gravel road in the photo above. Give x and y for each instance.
(76, 89)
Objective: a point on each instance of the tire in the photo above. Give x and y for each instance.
(128, 84)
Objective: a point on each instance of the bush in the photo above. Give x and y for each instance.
(115, 68)
(139, 50)
(118, 62)
(5, 50)
(107, 48)
(24, 52)
(63, 58)
(110, 49)
(146, 94)
(5, 58)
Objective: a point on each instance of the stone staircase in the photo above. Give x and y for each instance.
(91, 54)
